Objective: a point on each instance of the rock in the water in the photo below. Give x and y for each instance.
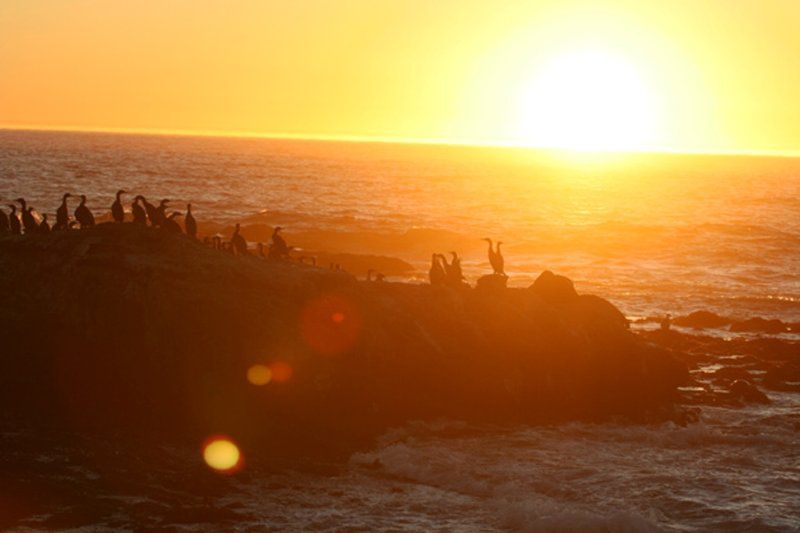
(701, 320)
(554, 288)
(747, 392)
(122, 325)
(760, 325)
(783, 377)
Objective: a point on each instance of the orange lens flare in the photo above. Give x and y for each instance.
(281, 371)
(222, 455)
(259, 375)
(331, 324)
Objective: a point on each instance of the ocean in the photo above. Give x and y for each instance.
(651, 233)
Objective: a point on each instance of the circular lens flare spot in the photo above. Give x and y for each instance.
(221, 454)
(259, 375)
(331, 324)
(281, 371)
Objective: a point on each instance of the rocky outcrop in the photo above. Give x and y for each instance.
(122, 325)
(554, 288)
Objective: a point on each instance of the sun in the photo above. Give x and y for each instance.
(587, 101)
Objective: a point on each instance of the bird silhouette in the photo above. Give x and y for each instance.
(496, 258)
(138, 212)
(238, 242)
(83, 215)
(170, 224)
(28, 220)
(62, 214)
(190, 223)
(117, 211)
(436, 274)
(5, 224)
(13, 221)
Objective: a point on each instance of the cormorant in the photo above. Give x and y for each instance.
(44, 227)
(62, 214)
(161, 212)
(28, 221)
(117, 211)
(278, 248)
(496, 258)
(190, 223)
(151, 211)
(454, 275)
(436, 274)
(83, 215)
(238, 242)
(169, 223)
(13, 220)
(666, 323)
(139, 214)
(4, 222)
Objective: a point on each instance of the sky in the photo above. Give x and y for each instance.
(701, 75)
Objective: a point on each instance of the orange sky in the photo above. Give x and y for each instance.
(715, 74)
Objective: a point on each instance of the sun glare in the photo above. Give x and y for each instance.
(587, 101)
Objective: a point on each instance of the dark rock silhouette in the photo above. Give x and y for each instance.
(554, 288)
(122, 325)
(747, 392)
(758, 324)
(492, 282)
(701, 320)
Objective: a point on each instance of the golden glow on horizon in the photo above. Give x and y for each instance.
(601, 74)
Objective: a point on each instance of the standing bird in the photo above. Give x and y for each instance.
(238, 243)
(190, 223)
(278, 249)
(496, 258)
(436, 274)
(28, 221)
(161, 213)
(117, 211)
(4, 222)
(13, 220)
(454, 274)
(44, 227)
(150, 209)
(139, 214)
(83, 215)
(62, 214)
(169, 223)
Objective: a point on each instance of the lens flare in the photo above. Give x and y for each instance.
(221, 454)
(259, 375)
(280, 371)
(331, 324)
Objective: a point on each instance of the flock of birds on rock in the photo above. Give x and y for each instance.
(26, 220)
(444, 273)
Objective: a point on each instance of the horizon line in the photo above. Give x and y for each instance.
(397, 140)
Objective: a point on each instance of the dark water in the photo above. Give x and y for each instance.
(651, 233)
